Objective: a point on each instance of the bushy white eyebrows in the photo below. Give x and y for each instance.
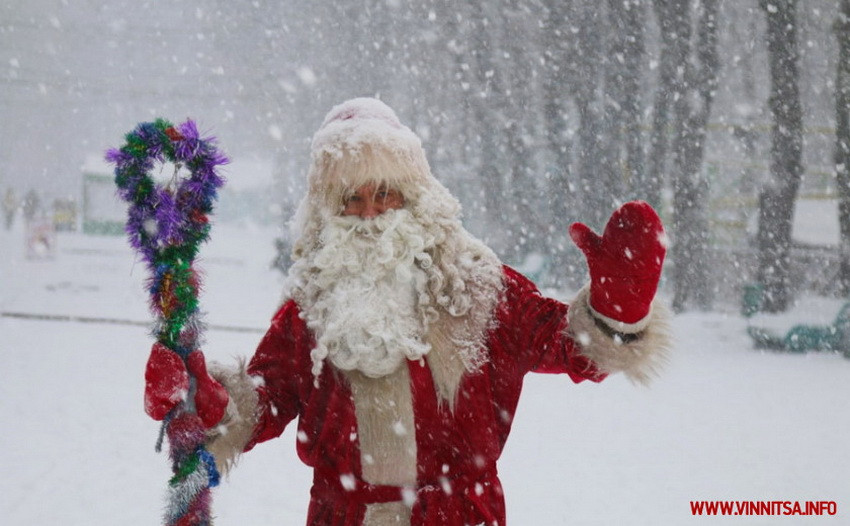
(383, 188)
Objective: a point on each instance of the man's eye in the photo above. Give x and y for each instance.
(352, 199)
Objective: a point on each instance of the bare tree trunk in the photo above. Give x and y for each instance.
(557, 84)
(842, 140)
(746, 130)
(692, 88)
(671, 55)
(525, 228)
(622, 96)
(776, 202)
(593, 166)
(460, 78)
(487, 106)
(634, 22)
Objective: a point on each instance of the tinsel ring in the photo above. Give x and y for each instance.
(176, 213)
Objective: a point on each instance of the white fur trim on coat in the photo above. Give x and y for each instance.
(640, 358)
(228, 439)
(386, 429)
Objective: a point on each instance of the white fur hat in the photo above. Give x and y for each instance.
(363, 141)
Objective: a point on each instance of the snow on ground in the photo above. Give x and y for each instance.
(724, 422)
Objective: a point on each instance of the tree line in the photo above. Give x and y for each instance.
(542, 112)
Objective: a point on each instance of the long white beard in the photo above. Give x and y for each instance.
(370, 311)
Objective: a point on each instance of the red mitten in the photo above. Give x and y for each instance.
(210, 396)
(166, 381)
(625, 263)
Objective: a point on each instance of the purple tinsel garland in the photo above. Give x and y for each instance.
(171, 209)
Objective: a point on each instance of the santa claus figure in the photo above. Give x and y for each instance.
(402, 341)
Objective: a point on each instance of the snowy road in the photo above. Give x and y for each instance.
(724, 422)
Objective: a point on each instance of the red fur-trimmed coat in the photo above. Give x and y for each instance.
(456, 450)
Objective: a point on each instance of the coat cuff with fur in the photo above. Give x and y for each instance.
(639, 355)
(228, 439)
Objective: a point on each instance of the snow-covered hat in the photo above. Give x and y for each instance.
(363, 141)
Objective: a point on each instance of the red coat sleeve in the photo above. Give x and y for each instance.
(277, 369)
(533, 331)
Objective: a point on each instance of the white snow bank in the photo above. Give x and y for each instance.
(816, 222)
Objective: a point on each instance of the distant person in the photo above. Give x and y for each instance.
(31, 205)
(402, 342)
(10, 207)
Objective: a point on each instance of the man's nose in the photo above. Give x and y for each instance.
(371, 209)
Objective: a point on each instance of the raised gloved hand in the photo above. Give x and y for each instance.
(624, 263)
(167, 384)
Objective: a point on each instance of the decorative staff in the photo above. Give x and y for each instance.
(166, 225)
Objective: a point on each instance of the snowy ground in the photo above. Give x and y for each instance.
(725, 422)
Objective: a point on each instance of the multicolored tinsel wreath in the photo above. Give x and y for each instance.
(166, 224)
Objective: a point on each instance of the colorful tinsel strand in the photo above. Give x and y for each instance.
(166, 224)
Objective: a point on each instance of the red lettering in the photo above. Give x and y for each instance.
(697, 507)
(763, 507)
